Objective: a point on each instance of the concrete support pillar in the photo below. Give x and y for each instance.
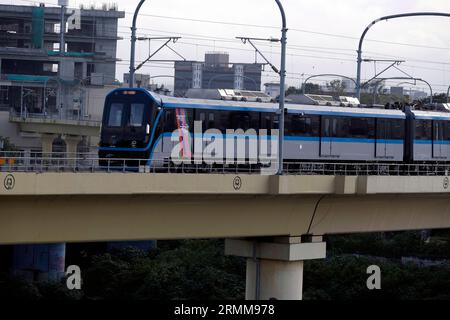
(72, 148)
(275, 269)
(47, 144)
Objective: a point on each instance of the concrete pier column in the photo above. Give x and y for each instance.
(275, 268)
(47, 144)
(72, 149)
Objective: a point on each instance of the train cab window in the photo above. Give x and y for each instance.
(136, 115)
(423, 130)
(115, 115)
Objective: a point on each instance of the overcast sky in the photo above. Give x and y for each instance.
(323, 35)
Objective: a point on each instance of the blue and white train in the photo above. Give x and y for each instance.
(138, 124)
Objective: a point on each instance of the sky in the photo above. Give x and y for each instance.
(323, 36)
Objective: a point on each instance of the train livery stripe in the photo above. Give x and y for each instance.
(430, 142)
(287, 138)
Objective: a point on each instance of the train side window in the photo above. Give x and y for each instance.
(254, 120)
(361, 128)
(398, 132)
(211, 120)
(275, 122)
(304, 126)
(240, 120)
(447, 130)
(222, 120)
(325, 127)
(169, 120)
(201, 116)
(266, 121)
(381, 129)
(423, 130)
(438, 130)
(115, 117)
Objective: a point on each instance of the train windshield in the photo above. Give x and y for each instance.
(136, 115)
(124, 114)
(116, 112)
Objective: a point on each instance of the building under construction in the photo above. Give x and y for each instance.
(36, 75)
(216, 72)
(51, 76)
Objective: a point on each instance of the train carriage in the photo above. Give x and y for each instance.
(344, 134)
(429, 136)
(141, 126)
(138, 124)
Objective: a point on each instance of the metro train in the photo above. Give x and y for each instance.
(139, 124)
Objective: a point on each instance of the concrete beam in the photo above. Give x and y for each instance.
(274, 269)
(275, 251)
(77, 207)
(52, 126)
(103, 183)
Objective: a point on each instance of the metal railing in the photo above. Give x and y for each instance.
(61, 116)
(89, 162)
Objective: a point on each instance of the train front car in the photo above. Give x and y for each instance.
(126, 135)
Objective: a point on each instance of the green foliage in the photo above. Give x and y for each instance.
(337, 87)
(193, 270)
(198, 269)
(310, 88)
(390, 245)
(16, 288)
(293, 90)
(7, 145)
(344, 278)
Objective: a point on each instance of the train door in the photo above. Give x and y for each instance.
(329, 132)
(438, 139)
(381, 137)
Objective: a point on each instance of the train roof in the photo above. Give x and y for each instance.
(171, 102)
(430, 115)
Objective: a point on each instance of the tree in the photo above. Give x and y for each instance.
(337, 87)
(440, 98)
(293, 90)
(312, 88)
(7, 145)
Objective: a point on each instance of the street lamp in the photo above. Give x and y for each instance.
(386, 18)
(282, 87)
(448, 93)
(133, 44)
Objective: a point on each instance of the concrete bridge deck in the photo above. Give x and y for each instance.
(77, 207)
